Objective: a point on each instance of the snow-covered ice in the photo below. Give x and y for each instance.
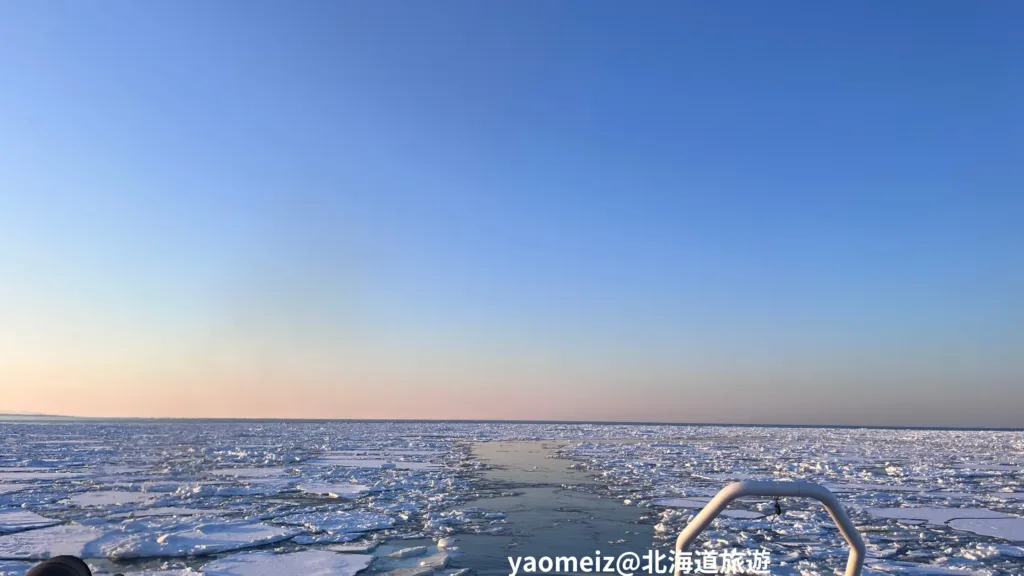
(161, 492)
(410, 551)
(351, 462)
(338, 522)
(305, 563)
(360, 548)
(11, 488)
(199, 540)
(335, 490)
(109, 498)
(436, 561)
(30, 476)
(249, 472)
(164, 511)
(17, 519)
(47, 542)
(700, 503)
(1006, 528)
(934, 515)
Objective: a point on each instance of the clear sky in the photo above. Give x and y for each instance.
(778, 212)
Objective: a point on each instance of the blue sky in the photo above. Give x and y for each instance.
(514, 210)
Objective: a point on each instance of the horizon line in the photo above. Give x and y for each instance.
(8, 416)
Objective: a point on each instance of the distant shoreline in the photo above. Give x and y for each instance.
(54, 418)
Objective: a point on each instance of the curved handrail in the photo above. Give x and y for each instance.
(794, 489)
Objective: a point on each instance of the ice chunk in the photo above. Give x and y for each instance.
(109, 498)
(326, 538)
(339, 522)
(47, 542)
(414, 571)
(446, 542)
(199, 540)
(934, 515)
(306, 563)
(17, 519)
(338, 490)
(1011, 529)
(406, 552)
(436, 561)
(360, 548)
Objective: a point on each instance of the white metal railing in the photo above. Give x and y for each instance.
(780, 489)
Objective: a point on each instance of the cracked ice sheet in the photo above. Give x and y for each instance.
(350, 462)
(700, 503)
(306, 563)
(18, 519)
(338, 490)
(12, 488)
(29, 476)
(48, 542)
(937, 516)
(339, 522)
(198, 540)
(915, 569)
(1011, 529)
(164, 511)
(109, 498)
(988, 466)
(249, 472)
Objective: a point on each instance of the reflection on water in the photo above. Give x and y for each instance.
(545, 519)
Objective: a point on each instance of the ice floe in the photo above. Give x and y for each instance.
(358, 548)
(12, 488)
(109, 498)
(338, 522)
(305, 563)
(1006, 528)
(198, 540)
(407, 552)
(348, 461)
(164, 511)
(934, 515)
(47, 542)
(17, 519)
(700, 503)
(30, 476)
(249, 472)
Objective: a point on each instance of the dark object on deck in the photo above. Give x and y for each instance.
(61, 566)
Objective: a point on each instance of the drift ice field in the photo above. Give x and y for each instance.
(414, 499)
